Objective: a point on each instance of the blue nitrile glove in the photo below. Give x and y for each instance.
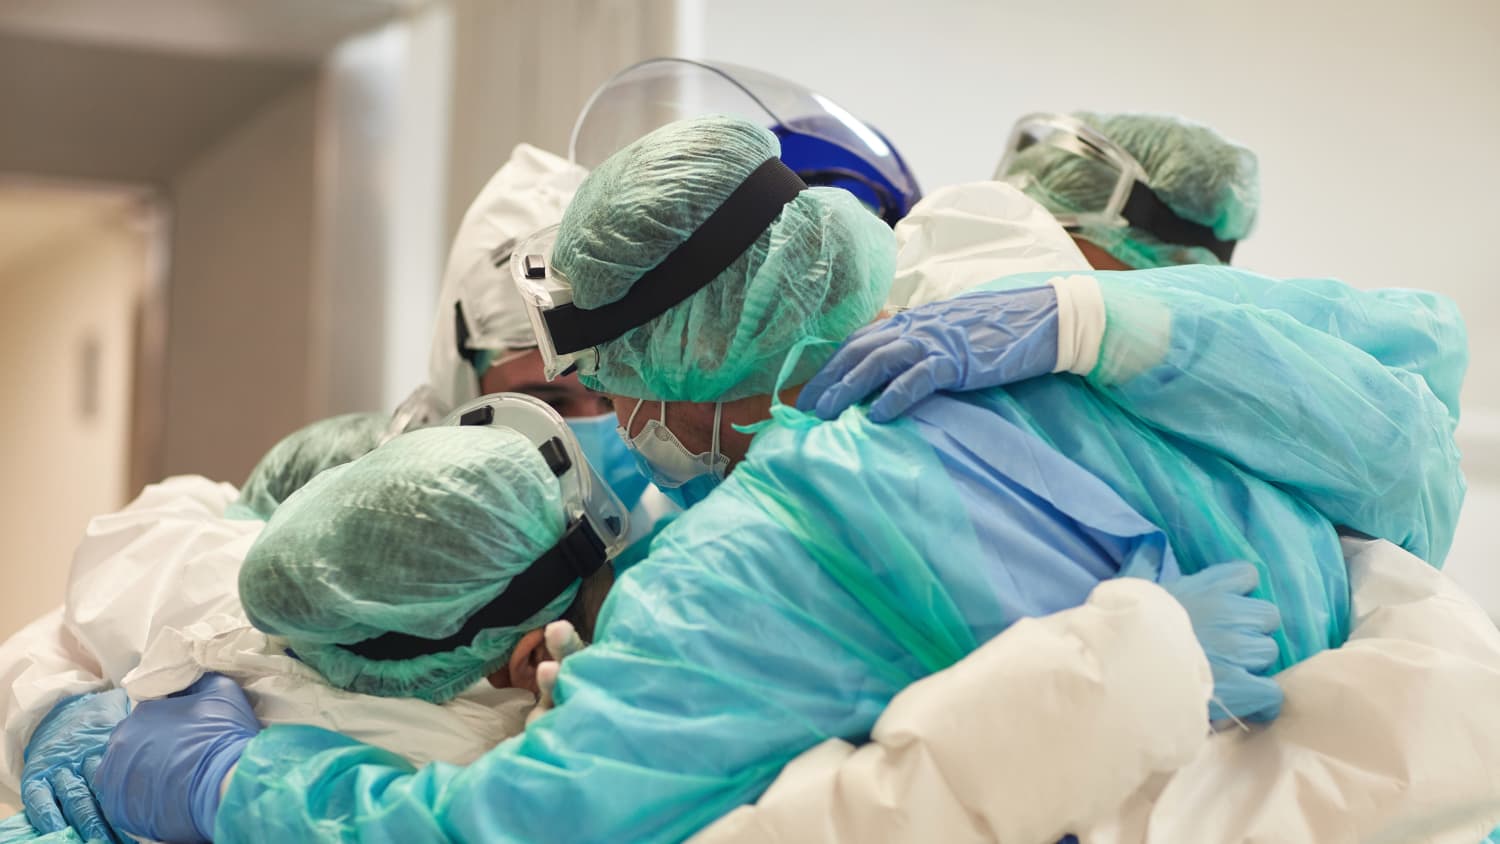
(970, 342)
(61, 760)
(1235, 632)
(166, 763)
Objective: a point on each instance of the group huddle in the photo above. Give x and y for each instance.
(966, 529)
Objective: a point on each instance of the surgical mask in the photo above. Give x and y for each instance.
(682, 476)
(611, 458)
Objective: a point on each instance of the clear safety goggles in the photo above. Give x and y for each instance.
(850, 154)
(597, 526)
(545, 293)
(568, 337)
(588, 502)
(1102, 159)
(1127, 198)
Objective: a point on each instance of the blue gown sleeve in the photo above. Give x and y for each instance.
(1284, 378)
(1346, 398)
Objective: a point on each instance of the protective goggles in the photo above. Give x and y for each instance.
(597, 525)
(568, 336)
(1130, 199)
(821, 142)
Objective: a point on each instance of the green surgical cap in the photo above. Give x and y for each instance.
(822, 269)
(1201, 175)
(412, 538)
(294, 461)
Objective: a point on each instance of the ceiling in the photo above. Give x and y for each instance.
(112, 114)
(277, 29)
(31, 214)
(134, 91)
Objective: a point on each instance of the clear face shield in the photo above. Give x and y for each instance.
(1100, 158)
(821, 141)
(587, 499)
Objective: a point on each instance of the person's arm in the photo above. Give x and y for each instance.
(1312, 385)
(1392, 737)
(1266, 374)
(168, 559)
(1041, 732)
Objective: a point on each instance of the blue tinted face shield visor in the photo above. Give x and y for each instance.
(821, 142)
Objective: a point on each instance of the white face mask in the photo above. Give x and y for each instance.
(682, 476)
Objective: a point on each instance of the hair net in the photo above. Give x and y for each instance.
(527, 193)
(302, 454)
(412, 538)
(821, 270)
(1202, 176)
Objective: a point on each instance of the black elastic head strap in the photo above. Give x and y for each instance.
(716, 244)
(1146, 211)
(575, 557)
(461, 336)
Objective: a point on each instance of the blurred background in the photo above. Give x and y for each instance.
(220, 220)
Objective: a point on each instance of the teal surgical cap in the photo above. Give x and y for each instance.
(302, 454)
(1201, 175)
(412, 538)
(819, 271)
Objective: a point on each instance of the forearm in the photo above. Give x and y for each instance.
(1385, 734)
(981, 751)
(299, 783)
(1369, 445)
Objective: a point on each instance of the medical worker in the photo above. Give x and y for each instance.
(1136, 190)
(840, 500)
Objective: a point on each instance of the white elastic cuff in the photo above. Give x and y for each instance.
(1080, 323)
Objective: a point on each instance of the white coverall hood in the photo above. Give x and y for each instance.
(964, 235)
(529, 192)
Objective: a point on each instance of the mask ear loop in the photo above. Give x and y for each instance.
(630, 423)
(780, 411)
(713, 457)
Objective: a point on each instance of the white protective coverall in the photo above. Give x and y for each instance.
(159, 578)
(1390, 738)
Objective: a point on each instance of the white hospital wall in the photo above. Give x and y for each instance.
(64, 453)
(239, 319)
(1375, 125)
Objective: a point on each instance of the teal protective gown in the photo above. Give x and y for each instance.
(841, 561)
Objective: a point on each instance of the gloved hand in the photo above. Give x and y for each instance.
(1235, 632)
(166, 763)
(62, 759)
(562, 641)
(970, 342)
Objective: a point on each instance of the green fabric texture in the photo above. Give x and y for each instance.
(822, 269)
(1201, 175)
(411, 538)
(291, 463)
